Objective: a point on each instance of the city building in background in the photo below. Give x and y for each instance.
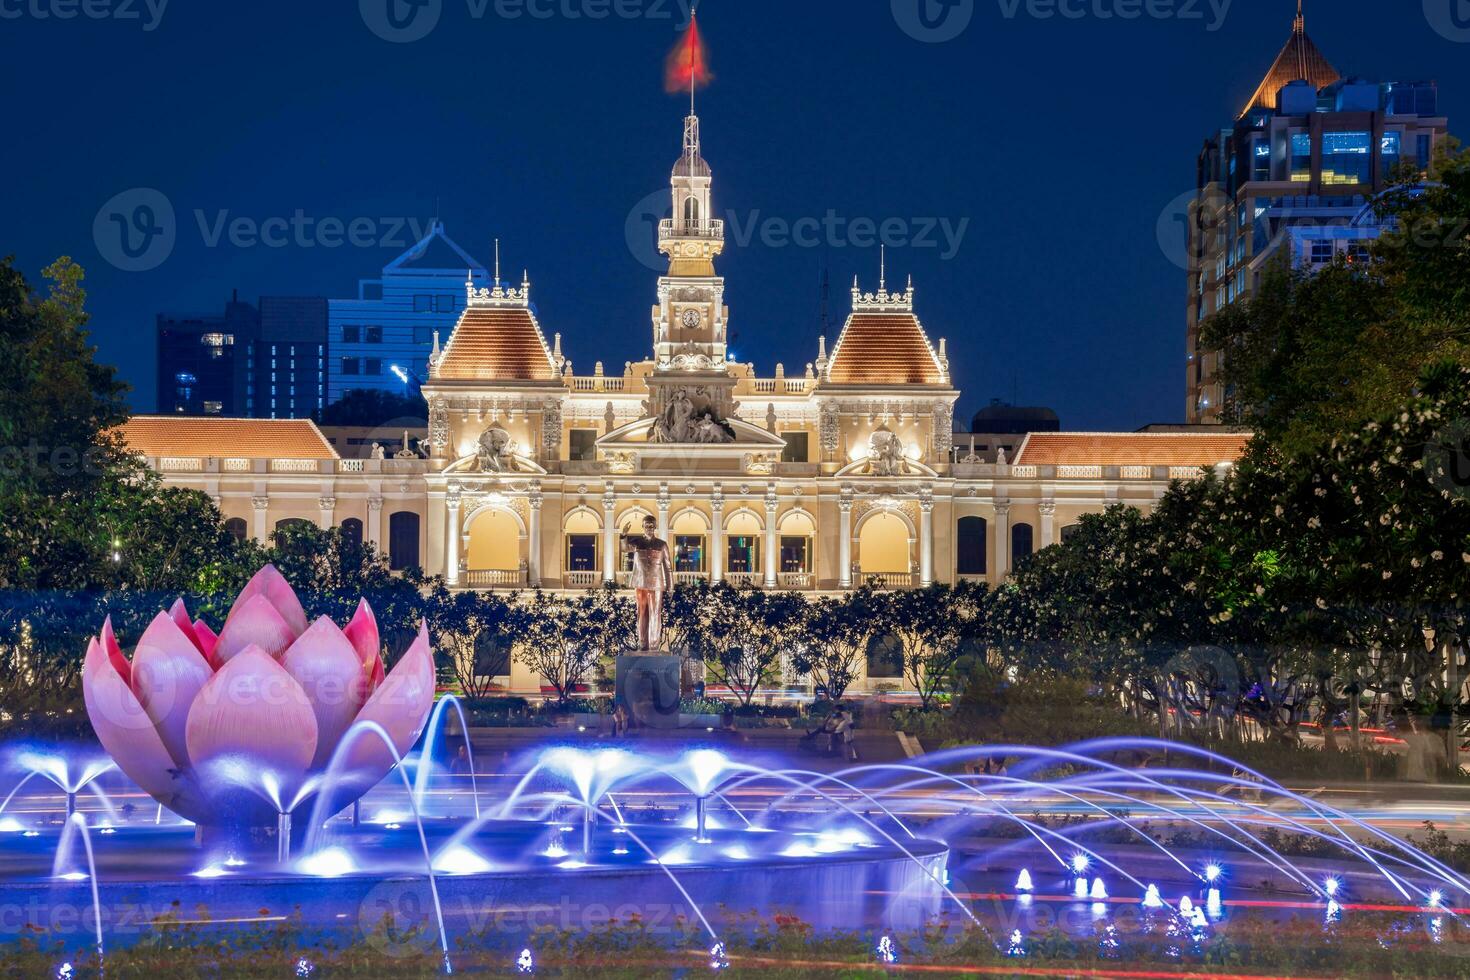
(206, 361)
(1295, 176)
(291, 358)
(250, 361)
(382, 339)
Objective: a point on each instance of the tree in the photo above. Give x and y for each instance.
(745, 631)
(558, 639)
(935, 628)
(466, 626)
(833, 646)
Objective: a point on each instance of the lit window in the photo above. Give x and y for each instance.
(1392, 150)
(1301, 157)
(1346, 158)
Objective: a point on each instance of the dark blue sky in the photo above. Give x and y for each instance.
(1060, 141)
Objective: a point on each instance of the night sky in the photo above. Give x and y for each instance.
(1057, 144)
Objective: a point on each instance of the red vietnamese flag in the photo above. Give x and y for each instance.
(688, 64)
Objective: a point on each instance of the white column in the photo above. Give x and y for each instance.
(533, 535)
(610, 543)
(261, 530)
(452, 546)
(328, 507)
(926, 540)
(1048, 524)
(717, 536)
(663, 513)
(374, 530)
(844, 543)
(1002, 541)
(773, 544)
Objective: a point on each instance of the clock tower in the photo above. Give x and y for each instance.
(690, 323)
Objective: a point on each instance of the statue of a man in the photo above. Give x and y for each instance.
(653, 575)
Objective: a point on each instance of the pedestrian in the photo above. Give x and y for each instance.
(846, 734)
(461, 764)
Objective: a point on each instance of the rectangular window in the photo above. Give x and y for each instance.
(373, 335)
(743, 553)
(583, 444)
(1347, 158)
(1301, 158)
(689, 553)
(423, 335)
(798, 446)
(1322, 251)
(1426, 150)
(581, 552)
(423, 303)
(444, 303)
(372, 367)
(796, 555)
(351, 365)
(352, 335)
(1392, 151)
(1261, 155)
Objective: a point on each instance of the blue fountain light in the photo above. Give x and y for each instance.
(717, 958)
(886, 952)
(1079, 864)
(525, 963)
(1331, 886)
(1099, 890)
(1213, 873)
(1152, 899)
(305, 968)
(1023, 881)
(1017, 945)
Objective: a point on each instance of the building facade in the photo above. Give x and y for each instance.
(381, 339)
(1295, 176)
(842, 474)
(250, 361)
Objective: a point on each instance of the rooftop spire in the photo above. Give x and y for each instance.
(1301, 19)
(1299, 60)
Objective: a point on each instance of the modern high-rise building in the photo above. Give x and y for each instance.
(291, 358)
(1296, 174)
(251, 361)
(205, 360)
(382, 340)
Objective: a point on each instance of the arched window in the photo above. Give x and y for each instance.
(884, 656)
(797, 532)
(743, 538)
(286, 531)
(970, 535)
(691, 211)
(237, 528)
(352, 532)
(1022, 546)
(690, 531)
(495, 543)
(1070, 531)
(403, 540)
(583, 536)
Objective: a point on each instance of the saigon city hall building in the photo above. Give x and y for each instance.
(845, 473)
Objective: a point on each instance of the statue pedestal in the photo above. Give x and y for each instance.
(648, 686)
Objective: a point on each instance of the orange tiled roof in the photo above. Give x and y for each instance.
(497, 344)
(884, 349)
(1300, 59)
(189, 435)
(1131, 449)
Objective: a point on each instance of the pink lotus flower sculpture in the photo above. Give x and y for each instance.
(201, 721)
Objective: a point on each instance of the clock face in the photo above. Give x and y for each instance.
(692, 319)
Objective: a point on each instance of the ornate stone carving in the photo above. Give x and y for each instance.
(496, 451)
(622, 463)
(887, 453)
(551, 429)
(439, 428)
(690, 416)
(260, 503)
(943, 430)
(831, 428)
(760, 464)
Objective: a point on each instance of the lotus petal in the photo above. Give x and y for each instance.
(324, 663)
(401, 706)
(114, 652)
(271, 584)
(365, 639)
(252, 712)
(255, 622)
(179, 613)
(207, 638)
(123, 727)
(168, 673)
